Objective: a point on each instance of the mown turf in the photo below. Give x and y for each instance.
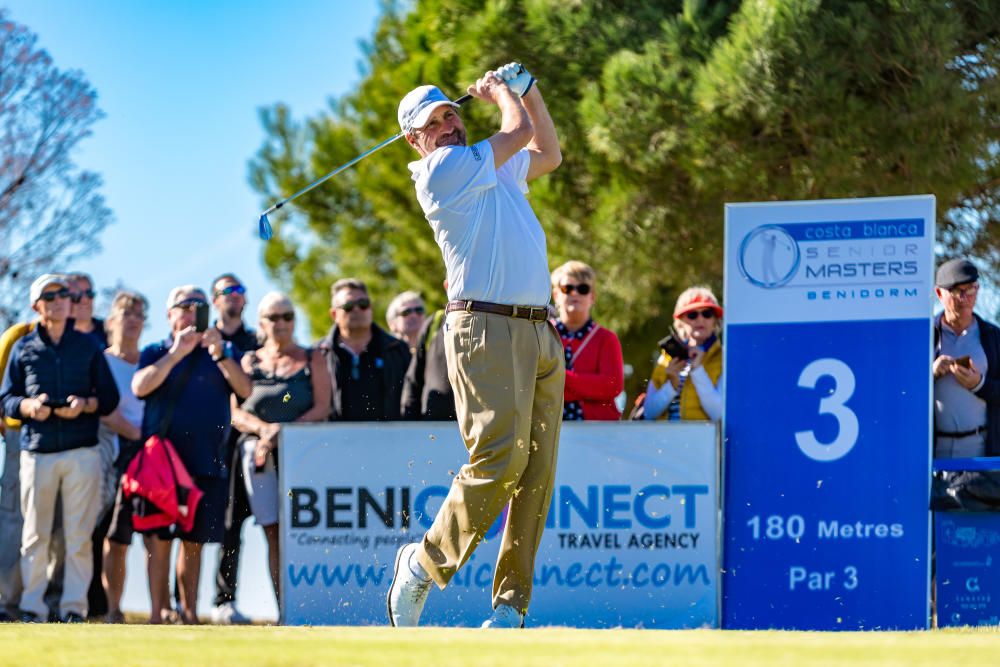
(83, 645)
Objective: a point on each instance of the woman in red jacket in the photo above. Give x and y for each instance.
(593, 354)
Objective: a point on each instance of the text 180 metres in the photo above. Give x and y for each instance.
(795, 527)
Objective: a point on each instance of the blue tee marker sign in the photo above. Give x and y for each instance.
(828, 420)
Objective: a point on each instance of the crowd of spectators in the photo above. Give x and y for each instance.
(80, 396)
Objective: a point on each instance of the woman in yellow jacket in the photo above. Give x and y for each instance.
(687, 380)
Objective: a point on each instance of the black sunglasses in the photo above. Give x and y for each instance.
(583, 289)
(49, 297)
(76, 297)
(409, 311)
(232, 289)
(189, 304)
(277, 317)
(364, 303)
(707, 313)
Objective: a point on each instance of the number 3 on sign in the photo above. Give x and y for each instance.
(834, 404)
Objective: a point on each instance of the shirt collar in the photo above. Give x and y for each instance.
(579, 334)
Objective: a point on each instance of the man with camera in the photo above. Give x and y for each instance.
(966, 368)
(59, 384)
(192, 372)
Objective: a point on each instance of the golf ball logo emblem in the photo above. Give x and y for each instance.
(769, 257)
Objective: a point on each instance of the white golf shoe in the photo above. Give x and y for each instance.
(227, 614)
(505, 617)
(408, 591)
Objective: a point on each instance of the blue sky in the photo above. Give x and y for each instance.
(180, 83)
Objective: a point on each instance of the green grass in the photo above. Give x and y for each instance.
(176, 646)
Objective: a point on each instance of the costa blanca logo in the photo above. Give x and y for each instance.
(769, 257)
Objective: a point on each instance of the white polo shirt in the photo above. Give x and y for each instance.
(492, 243)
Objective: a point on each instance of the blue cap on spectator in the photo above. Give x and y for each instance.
(956, 272)
(415, 109)
(43, 281)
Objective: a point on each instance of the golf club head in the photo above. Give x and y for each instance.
(264, 228)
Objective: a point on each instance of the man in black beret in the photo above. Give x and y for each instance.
(966, 368)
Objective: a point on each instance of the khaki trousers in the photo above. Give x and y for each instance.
(508, 376)
(76, 476)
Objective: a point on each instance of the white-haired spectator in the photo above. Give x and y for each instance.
(290, 384)
(686, 381)
(405, 317)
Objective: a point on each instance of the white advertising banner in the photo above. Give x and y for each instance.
(631, 538)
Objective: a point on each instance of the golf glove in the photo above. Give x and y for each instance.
(518, 78)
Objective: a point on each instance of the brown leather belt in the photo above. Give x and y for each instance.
(533, 313)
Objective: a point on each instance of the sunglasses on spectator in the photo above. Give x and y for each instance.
(78, 296)
(409, 311)
(964, 292)
(277, 317)
(583, 289)
(363, 303)
(231, 289)
(49, 297)
(707, 313)
(189, 304)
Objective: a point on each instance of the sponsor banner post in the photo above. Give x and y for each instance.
(968, 581)
(828, 419)
(631, 537)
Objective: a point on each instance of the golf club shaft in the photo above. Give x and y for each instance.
(461, 100)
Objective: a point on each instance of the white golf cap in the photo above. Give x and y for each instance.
(43, 281)
(416, 108)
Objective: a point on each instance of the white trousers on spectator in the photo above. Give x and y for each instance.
(77, 474)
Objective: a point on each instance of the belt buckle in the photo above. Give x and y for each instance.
(468, 306)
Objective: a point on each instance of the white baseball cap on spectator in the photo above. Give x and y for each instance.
(416, 108)
(43, 281)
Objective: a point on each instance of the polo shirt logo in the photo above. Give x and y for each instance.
(475, 154)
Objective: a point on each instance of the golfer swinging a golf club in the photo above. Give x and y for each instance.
(505, 361)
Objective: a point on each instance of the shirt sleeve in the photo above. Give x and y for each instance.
(12, 389)
(657, 399)
(453, 176)
(709, 395)
(105, 388)
(150, 355)
(516, 168)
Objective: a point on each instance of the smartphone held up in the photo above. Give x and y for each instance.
(201, 317)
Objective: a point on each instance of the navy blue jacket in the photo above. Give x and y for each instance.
(76, 365)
